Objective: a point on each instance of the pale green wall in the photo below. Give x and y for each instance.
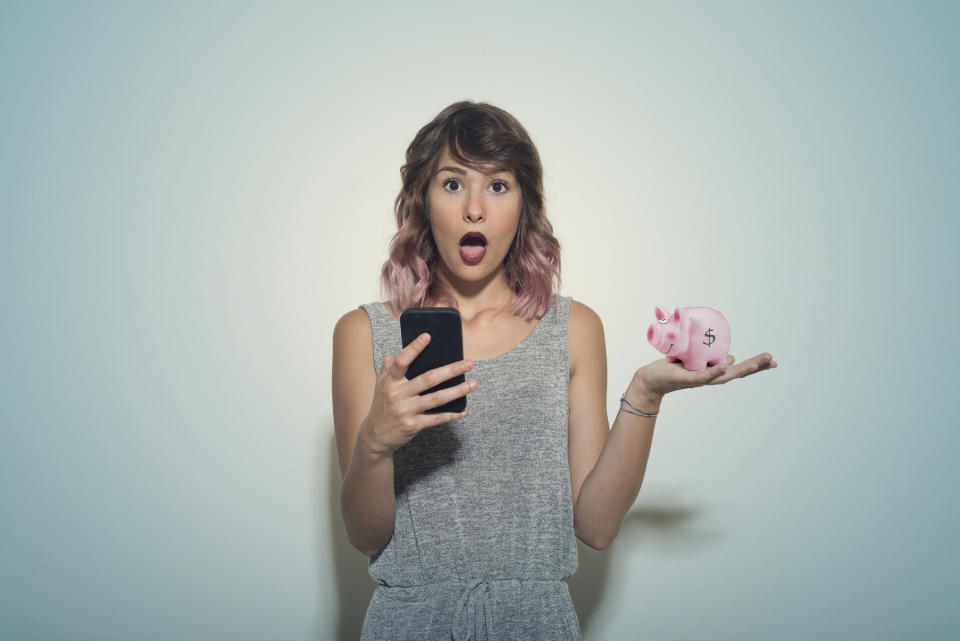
(191, 197)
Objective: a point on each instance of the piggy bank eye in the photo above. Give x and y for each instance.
(663, 321)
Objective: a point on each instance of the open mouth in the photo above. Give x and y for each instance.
(473, 246)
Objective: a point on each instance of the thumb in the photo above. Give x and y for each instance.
(387, 364)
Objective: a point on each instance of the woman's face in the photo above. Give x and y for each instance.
(462, 200)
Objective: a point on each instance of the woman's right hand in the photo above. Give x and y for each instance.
(397, 413)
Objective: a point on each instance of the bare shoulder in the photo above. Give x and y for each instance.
(353, 346)
(582, 314)
(583, 323)
(353, 328)
(354, 377)
(584, 334)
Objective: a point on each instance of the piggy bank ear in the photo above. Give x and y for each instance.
(676, 315)
(661, 313)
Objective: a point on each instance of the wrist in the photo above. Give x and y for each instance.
(368, 448)
(640, 396)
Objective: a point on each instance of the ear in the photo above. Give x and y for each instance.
(680, 317)
(661, 313)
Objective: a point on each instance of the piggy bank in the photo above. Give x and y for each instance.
(695, 336)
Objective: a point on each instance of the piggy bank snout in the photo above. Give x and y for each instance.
(652, 332)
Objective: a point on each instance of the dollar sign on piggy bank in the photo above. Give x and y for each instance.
(695, 336)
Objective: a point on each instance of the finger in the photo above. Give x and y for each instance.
(764, 362)
(751, 366)
(730, 359)
(445, 395)
(405, 356)
(440, 419)
(716, 374)
(437, 375)
(718, 370)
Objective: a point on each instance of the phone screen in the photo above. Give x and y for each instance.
(445, 347)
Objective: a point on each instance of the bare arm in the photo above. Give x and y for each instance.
(613, 484)
(366, 496)
(367, 502)
(606, 465)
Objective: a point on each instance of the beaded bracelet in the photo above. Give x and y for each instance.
(637, 412)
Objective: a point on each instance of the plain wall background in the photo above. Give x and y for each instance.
(192, 196)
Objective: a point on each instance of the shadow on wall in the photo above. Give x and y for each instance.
(661, 525)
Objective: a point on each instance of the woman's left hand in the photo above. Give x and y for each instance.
(660, 377)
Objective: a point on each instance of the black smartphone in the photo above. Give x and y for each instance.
(445, 347)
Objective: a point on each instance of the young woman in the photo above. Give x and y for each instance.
(470, 519)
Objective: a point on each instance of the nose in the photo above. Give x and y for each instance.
(474, 210)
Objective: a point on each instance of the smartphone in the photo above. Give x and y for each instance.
(445, 347)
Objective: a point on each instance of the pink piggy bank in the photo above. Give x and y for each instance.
(696, 336)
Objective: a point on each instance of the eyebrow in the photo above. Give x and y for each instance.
(458, 170)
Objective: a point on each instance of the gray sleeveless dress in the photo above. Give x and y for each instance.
(483, 538)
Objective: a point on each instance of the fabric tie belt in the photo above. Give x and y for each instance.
(474, 616)
(474, 611)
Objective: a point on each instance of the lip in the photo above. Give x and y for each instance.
(473, 234)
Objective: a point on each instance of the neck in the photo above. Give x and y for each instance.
(491, 294)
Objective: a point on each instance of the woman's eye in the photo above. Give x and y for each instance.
(454, 185)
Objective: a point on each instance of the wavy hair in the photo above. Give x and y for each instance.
(477, 134)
